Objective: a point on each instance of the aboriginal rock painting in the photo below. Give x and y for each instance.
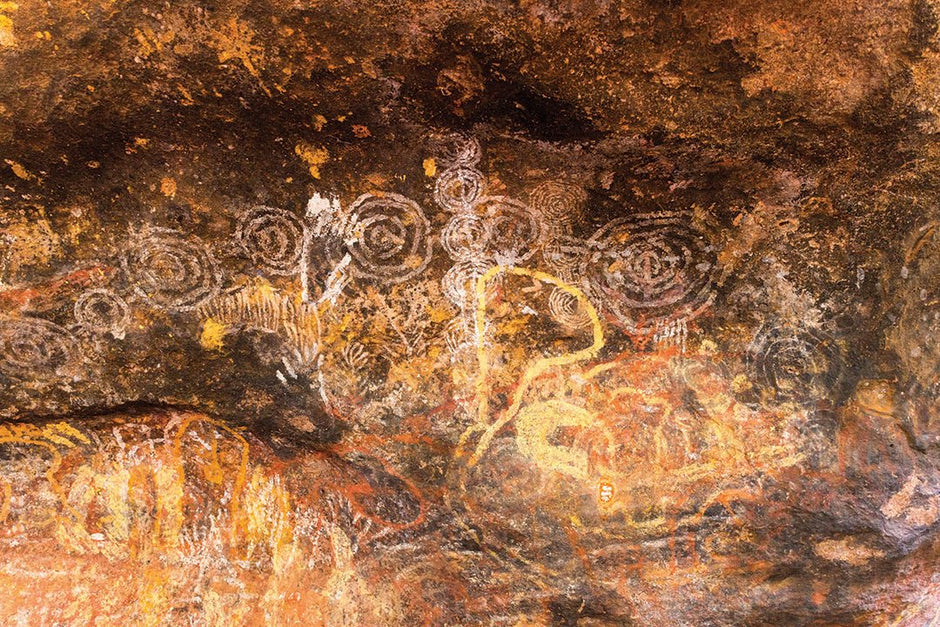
(295, 331)
(498, 400)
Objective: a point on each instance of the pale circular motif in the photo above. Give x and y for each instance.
(650, 269)
(559, 203)
(456, 149)
(797, 365)
(514, 230)
(32, 346)
(102, 311)
(273, 238)
(171, 270)
(388, 238)
(566, 310)
(458, 335)
(465, 235)
(456, 189)
(459, 282)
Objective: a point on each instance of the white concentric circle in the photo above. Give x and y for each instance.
(465, 235)
(273, 238)
(566, 310)
(102, 311)
(32, 346)
(456, 149)
(171, 270)
(798, 365)
(456, 189)
(459, 282)
(649, 269)
(514, 230)
(388, 238)
(559, 203)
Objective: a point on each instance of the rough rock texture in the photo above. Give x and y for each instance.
(460, 313)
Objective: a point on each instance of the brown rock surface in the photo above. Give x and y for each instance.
(467, 312)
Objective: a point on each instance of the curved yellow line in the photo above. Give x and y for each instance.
(533, 371)
(7, 496)
(540, 366)
(240, 479)
(55, 463)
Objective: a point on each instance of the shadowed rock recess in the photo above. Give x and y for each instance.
(467, 312)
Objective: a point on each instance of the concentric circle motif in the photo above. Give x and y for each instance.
(171, 270)
(797, 365)
(273, 238)
(464, 236)
(32, 346)
(514, 230)
(102, 311)
(566, 310)
(388, 238)
(650, 269)
(456, 149)
(559, 203)
(459, 282)
(457, 188)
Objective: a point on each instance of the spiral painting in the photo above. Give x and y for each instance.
(436, 313)
(650, 268)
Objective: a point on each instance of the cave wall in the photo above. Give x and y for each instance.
(470, 313)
